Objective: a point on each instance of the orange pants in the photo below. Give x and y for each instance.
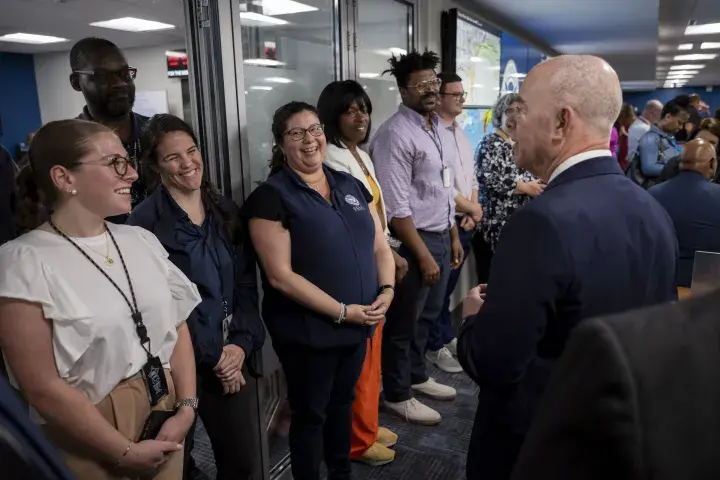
(367, 398)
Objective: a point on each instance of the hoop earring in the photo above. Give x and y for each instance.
(72, 192)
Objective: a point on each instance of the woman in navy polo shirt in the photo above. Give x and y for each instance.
(328, 276)
(202, 233)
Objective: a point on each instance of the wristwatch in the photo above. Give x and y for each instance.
(187, 402)
(385, 287)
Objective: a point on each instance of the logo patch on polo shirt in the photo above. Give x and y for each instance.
(354, 202)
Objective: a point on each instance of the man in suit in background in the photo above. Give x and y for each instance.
(592, 243)
(634, 397)
(693, 203)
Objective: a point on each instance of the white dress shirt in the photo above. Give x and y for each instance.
(575, 159)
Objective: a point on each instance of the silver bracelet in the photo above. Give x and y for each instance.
(343, 313)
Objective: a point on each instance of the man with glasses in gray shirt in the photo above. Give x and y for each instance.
(415, 158)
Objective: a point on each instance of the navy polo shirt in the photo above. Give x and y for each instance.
(332, 246)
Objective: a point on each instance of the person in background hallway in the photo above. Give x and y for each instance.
(442, 344)
(651, 115)
(657, 147)
(592, 244)
(689, 104)
(626, 118)
(328, 278)
(415, 158)
(693, 203)
(201, 231)
(710, 132)
(614, 141)
(24, 450)
(633, 397)
(101, 72)
(8, 171)
(506, 187)
(92, 315)
(345, 110)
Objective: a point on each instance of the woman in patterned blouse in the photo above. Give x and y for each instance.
(506, 188)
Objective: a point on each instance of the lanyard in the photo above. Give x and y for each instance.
(140, 328)
(435, 137)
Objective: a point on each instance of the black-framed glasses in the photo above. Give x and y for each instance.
(427, 85)
(458, 96)
(297, 134)
(126, 75)
(119, 163)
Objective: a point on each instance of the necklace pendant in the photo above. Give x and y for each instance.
(109, 262)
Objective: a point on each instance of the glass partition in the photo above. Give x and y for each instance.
(383, 28)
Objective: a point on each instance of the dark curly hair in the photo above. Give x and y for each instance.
(150, 139)
(406, 64)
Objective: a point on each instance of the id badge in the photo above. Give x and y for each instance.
(446, 177)
(155, 381)
(226, 329)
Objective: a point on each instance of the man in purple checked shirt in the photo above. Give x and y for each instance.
(414, 158)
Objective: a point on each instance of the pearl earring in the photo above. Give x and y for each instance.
(72, 191)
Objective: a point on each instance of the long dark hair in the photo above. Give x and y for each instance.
(63, 143)
(151, 138)
(335, 99)
(279, 126)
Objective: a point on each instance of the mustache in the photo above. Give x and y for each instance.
(430, 95)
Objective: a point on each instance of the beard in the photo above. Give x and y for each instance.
(115, 103)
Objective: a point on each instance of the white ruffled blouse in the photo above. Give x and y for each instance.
(94, 339)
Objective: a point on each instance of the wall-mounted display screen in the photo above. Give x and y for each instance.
(476, 123)
(177, 63)
(477, 61)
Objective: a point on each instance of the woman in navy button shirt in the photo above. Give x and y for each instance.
(328, 275)
(201, 231)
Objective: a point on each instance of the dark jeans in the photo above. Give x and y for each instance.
(409, 319)
(321, 390)
(483, 257)
(441, 333)
(232, 424)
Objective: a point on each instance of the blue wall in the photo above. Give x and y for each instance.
(19, 106)
(639, 99)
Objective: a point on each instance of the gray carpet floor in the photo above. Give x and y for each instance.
(423, 453)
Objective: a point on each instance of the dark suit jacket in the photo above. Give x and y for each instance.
(693, 204)
(634, 397)
(593, 243)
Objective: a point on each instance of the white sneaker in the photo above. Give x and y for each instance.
(452, 347)
(444, 360)
(414, 412)
(435, 390)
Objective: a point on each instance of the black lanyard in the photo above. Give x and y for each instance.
(140, 328)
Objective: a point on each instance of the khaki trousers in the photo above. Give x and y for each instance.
(126, 408)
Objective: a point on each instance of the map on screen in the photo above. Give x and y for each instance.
(476, 124)
(478, 62)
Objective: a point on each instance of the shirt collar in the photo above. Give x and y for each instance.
(418, 119)
(575, 159)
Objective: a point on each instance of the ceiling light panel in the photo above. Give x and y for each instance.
(695, 57)
(710, 45)
(31, 38)
(282, 7)
(253, 19)
(688, 66)
(131, 24)
(704, 29)
(685, 46)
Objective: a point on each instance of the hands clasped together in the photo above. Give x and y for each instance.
(370, 314)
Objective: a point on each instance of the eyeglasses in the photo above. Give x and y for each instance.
(119, 163)
(458, 96)
(427, 85)
(297, 134)
(106, 76)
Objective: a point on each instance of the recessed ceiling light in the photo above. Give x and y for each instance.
(261, 87)
(278, 80)
(252, 19)
(282, 7)
(689, 66)
(682, 72)
(130, 24)
(477, 85)
(696, 56)
(704, 29)
(709, 45)
(31, 38)
(685, 46)
(391, 51)
(369, 75)
(262, 62)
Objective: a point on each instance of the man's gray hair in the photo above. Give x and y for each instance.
(501, 106)
(590, 87)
